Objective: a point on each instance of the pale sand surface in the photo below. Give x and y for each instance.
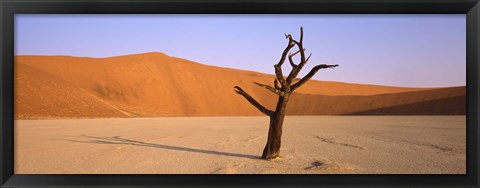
(312, 144)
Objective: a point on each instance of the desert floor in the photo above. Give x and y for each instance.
(312, 144)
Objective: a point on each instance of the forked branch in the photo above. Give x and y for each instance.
(302, 55)
(290, 45)
(311, 74)
(253, 101)
(276, 91)
(296, 80)
(290, 58)
(280, 78)
(278, 66)
(297, 52)
(275, 83)
(296, 68)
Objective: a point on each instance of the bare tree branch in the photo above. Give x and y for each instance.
(302, 55)
(301, 50)
(253, 101)
(297, 52)
(288, 36)
(280, 78)
(290, 58)
(308, 58)
(276, 91)
(275, 83)
(310, 75)
(301, 34)
(278, 68)
(295, 70)
(295, 80)
(287, 49)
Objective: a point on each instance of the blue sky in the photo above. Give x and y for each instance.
(396, 50)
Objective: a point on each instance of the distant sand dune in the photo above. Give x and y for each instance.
(154, 84)
(38, 94)
(444, 101)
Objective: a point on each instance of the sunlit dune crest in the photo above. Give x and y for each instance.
(155, 84)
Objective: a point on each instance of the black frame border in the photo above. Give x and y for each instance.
(8, 8)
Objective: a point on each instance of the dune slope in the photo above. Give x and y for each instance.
(155, 84)
(41, 95)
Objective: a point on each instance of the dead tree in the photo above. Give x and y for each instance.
(283, 87)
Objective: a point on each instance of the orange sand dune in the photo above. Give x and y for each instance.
(154, 84)
(41, 95)
(445, 101)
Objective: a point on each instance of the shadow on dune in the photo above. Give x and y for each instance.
(446, 106)
(123, 141)
(441, 101)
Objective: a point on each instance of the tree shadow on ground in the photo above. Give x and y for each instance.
(123, 141)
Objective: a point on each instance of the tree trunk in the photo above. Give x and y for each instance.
(274, 141)
(284, 90)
